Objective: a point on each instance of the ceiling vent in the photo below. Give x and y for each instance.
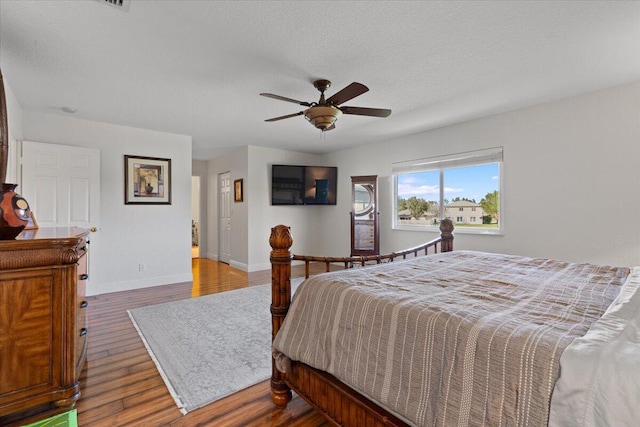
(120, 4)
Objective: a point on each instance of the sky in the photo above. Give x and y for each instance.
(472, 182)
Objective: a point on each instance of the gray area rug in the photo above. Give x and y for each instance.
(209, 347)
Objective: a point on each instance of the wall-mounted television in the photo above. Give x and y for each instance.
(303, 185)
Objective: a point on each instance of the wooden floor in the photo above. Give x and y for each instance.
(120, 385)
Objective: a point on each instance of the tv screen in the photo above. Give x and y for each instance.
(303, 185)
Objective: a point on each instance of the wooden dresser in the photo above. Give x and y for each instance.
(43, 326)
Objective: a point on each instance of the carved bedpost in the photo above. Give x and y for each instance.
(280, 241)
(446, 233)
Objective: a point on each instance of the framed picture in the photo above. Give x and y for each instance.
(147, 180)
(237, 190)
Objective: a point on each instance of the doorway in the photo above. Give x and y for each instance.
(195, 217)
(62, 185)
(224, 206)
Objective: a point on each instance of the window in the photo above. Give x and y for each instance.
(429, 189)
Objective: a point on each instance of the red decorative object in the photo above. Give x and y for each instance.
(14, 212)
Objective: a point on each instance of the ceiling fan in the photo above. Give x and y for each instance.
(324, 113)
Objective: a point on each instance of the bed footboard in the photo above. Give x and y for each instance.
(281, 257)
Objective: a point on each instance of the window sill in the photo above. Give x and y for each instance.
(459, 230)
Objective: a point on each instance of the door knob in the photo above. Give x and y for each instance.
(93, 229)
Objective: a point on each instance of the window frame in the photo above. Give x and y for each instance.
(440, 164)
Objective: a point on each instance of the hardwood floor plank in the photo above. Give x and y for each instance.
(124, 385)
(101, 360)
(87, 418)
(117, 349)
(150, 396)
(108, 375)
(140, 416)
(142, 366)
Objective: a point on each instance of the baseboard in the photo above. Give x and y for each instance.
(259, 267)
(245, 267)
(107, 288)
(239, 265)
(267, 266)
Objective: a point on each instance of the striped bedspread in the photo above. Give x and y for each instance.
(459, 338)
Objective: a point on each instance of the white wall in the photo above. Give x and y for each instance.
(303, 220)
(571, 179)
(158, 236)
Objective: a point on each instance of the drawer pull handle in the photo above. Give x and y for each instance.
(84, 276)
(83, 332)
(84, 304)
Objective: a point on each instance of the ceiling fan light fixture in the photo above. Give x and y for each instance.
(324, 113)
(322, 116)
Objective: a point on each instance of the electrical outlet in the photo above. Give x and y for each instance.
(140, 267)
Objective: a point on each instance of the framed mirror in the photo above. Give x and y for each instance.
(364, 215)
(363, 197)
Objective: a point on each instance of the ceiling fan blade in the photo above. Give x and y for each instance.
(349, 92)
(282, 98)
(362, 111)
(275, 119)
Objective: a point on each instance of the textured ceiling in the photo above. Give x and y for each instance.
(196, 67)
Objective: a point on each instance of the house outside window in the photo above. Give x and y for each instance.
(468, 183)
(467, 207)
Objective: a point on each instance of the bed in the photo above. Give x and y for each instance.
(456, 338)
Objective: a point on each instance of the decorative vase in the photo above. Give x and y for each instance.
(14, 212)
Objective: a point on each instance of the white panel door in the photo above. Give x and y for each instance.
(62, 185)
(224, 203)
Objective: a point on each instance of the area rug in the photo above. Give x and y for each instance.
(209, 347)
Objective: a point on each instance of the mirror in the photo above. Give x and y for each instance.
(364, 215)
(362, 199)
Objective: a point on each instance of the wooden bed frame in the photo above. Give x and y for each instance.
(340, 404)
